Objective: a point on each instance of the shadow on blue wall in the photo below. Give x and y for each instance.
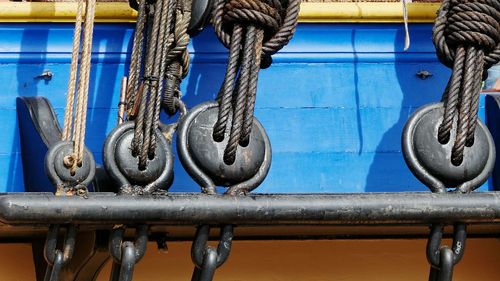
(27, 85)
(103, 87)
(415, 93)
(201, 85)
(107, 67)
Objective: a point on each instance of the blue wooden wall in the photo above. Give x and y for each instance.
(334, 102)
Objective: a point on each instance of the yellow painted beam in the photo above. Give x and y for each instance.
(62, 12)
(310, 12)
(366, 12)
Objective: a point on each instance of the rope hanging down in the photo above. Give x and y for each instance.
(252, 30)
(467, 39)
(74, 124)
(156, 69)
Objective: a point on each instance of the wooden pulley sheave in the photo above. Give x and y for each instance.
(444, 144)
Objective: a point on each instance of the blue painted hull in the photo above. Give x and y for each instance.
(334, 102)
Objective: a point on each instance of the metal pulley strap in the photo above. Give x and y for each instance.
(126, 254)
(56, 258)
(252, 30)
(206, 258)
(467, 39)
(68, 164)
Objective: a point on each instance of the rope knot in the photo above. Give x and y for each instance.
(277, 19)
(254, 12)
(465, 23)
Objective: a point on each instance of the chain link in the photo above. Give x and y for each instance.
(206, 258)
(126, 254)
(58, 258)
(441, 257)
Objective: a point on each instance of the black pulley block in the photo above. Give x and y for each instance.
(430, 160)
(123, 166)
(60, 175)
(202, 156)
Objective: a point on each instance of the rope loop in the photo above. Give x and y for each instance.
(278, 20)
(462, 23)
(253, 12)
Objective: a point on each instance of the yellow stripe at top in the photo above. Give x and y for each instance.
(310, 12)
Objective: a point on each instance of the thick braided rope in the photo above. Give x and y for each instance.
(70, 98)
(252, 89)
(241, 97)
(226, 93)
(272, 44)
(142, 134)
(136, 58)
(176, 62)
(156, 96)
(165, 57)
(473, 22)
(250, 29)
(167, 45)
(466, 35)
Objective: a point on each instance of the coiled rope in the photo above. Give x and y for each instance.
(156, 69)
(252, 30)
(466, 35)
(74, 124)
